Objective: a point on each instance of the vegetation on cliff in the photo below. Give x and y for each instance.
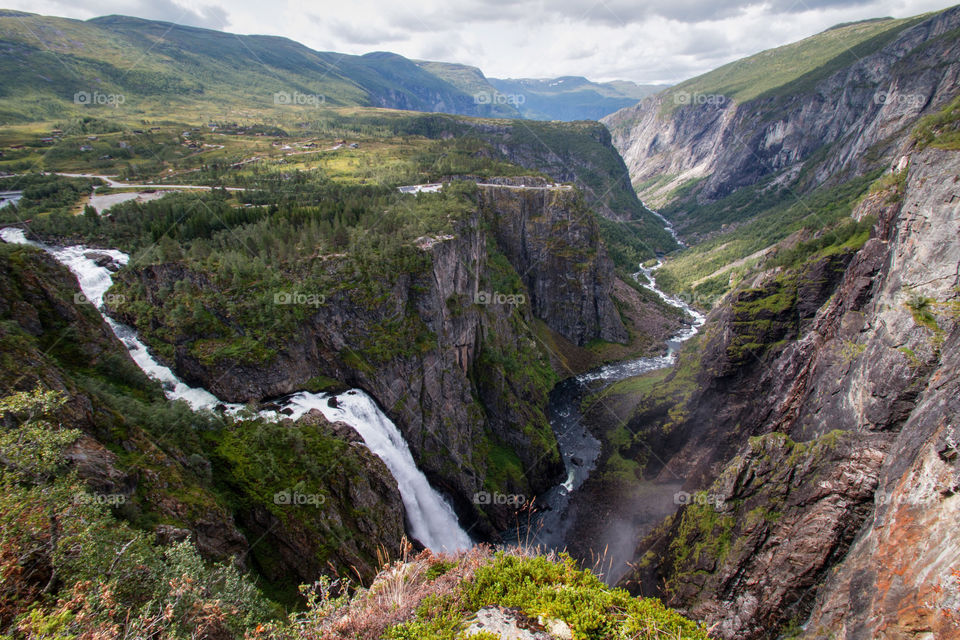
(70, 568)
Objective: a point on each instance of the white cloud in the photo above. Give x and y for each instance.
(645, 40)
(210, 15)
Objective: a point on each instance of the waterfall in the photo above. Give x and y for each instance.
(432, 521)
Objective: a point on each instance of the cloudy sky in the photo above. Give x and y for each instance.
(640, 40)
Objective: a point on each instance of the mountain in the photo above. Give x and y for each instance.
(571, 97)
(839, 93)
(52, 65)
(47, 61)
(473, 82)
(568, 98)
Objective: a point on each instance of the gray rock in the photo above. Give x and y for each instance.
(509, 624)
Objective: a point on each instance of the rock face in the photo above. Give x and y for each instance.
(581, 153)
(842, 501)
(509, 624)
(453, 400)
(900, 577)
(593, 165)
(550, 238)
(361, 507)
(856, 109)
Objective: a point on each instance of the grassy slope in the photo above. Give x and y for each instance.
(50, 59)
(790, 68)
(471, 81)
(708, 266)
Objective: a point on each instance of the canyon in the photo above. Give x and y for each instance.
(707, 348)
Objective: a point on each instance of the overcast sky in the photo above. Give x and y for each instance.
(641, 40)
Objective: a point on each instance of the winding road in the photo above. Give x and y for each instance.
(116, 184)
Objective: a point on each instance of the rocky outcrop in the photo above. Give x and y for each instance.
(480, 383)
(360, 507)
(515, 625)
(845, 122)
(900, 577)
(581, 153)
(851, 447)
(551, 239)
(746, 553)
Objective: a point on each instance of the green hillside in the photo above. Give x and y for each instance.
(58, 67)
(792, 68)
(471, 80)
(128, 63)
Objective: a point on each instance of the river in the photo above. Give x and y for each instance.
(552, 519)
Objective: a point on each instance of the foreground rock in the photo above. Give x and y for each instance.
(833, 501)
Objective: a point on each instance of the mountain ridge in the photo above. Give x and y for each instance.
(194, 67)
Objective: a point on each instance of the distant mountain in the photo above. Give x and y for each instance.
(566, 98)
(471, 80)
(836, 94)
(54, 67)
(572, 97)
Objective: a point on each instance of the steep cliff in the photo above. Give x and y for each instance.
(552, 240)
(853, 352)
(583, 153)
(813, 120)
